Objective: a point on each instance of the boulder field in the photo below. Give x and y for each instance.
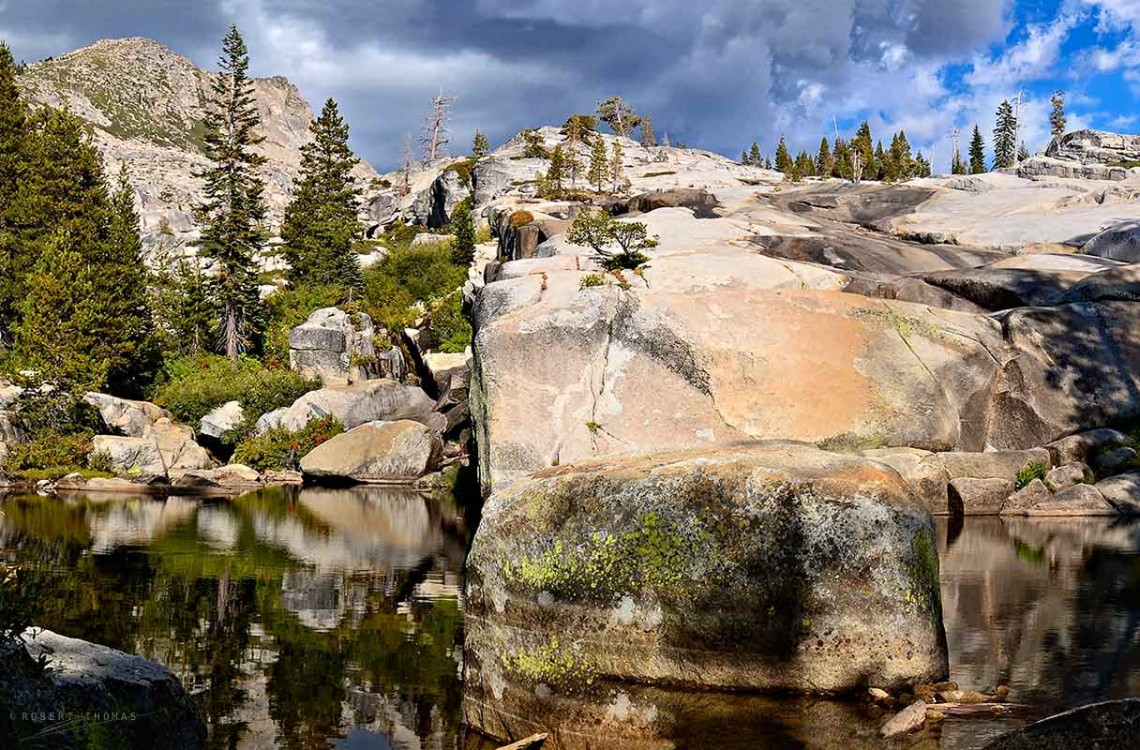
(717, 471)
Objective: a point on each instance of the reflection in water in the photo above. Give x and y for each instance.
(300, 620)
(333, 618)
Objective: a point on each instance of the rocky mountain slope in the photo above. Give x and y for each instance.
(146, 104)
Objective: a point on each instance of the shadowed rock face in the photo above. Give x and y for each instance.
(1110, 724)
(772, 567)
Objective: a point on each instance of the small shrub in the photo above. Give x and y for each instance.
(591, 280)
(280, 449)
(48, 455)
(396, 288)
(448, 324)
(20, 602)
(194, 386)
(101, 462)
(520, 219)
(1035, 470)
(534, 147)
(659, 174)
(463, 169)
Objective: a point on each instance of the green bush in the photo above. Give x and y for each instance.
(1035, 470)
(279, 448)
(20, 602)
(449, 326)
(50, 455)
(591, 280)
(394, 286)
(192, 387)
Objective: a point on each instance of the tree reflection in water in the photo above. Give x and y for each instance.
(295, 618)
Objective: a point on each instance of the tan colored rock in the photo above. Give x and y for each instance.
(168, 448)
(979, 497)
(932, 476)
(908, 720)
(125, 417)
(354, 405)
(1063, 477)
(377, 452)
(1027, 497)
(1078, 500)
(1122, 492)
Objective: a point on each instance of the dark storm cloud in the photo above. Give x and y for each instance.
(715, 73)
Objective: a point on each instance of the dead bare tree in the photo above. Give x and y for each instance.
(435, 137)
(406, 187)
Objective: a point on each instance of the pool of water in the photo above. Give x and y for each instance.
(333, 618)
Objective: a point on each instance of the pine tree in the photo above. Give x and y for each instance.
(957, 166)
(481, 146)
(783, 158)
(556, 175)
(921, 166)
(648, 137)
(899, 164)
(322, 221)
(574, 134)
(745, 160)
(1057, 119)
(1005, 136)
(619, 116)
(463, 224)
(14, 256)
(599, 165)
(1022, 152)
(977, 152)
(125, 329)
(234, 209)
(755, 158)
(58, 329)
(617, 166)
(824, 162)
(876, 169)
(863, 145)
(842, 167)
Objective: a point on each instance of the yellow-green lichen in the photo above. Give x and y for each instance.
(923, 571)
(550, 664)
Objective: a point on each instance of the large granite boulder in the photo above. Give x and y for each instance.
(91, 696)
(1077, 367)
(9, 395)
(377, 452)
(765, 566)
(335, 347)
(354, 405)
(1119, 242)
(166, 450)
(709, 350)
(219, 421)
(1122, 284)
(125, 417)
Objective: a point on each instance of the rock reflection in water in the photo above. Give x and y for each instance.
(297, 619)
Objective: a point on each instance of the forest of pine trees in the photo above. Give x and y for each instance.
(895, 164)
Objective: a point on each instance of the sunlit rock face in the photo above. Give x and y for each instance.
(771, 567)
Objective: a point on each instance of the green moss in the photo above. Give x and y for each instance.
(923, 570)
(907, 327)
(654, 556)
(550, 664)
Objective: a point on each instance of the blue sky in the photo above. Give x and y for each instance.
(716, 73)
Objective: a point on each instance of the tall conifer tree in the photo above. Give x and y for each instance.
(14, 258)
(234, 210)
(784, 161)
(977, 152)
(1005, 136)
(1057, 119)
(322, 222)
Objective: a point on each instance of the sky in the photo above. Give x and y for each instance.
(715, 74)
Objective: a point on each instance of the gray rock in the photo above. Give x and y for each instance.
(1122, 492)
(377, 452)
(1118, 242)
(167, 448)
(124, 700)
(221, 420)
(1116, 461)
(335, 347)
(1095, 147)
(1038, 167)
(1100, 725)
(1063, 477)
(1080, 447)
(1121, 283)
(230, 477)
(1027, 497)
(125, 417)
(1078, 500)
(979, 497)
(1005, 288)
(354, 405)
(698, 569)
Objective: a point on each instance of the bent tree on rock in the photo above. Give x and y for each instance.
(233, 213)
(598, 230)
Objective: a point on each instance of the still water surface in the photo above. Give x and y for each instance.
(333, 618)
